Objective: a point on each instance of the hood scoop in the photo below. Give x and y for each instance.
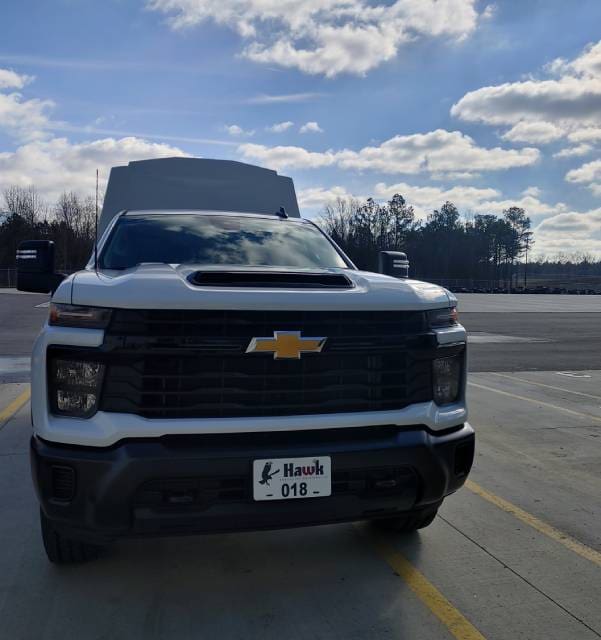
(270, 279)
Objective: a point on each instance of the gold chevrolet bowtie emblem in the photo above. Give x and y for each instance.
(286, 344)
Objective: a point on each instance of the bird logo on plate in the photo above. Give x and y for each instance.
(286, 345)
(267, 474)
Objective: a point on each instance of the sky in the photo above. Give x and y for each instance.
(486, 104)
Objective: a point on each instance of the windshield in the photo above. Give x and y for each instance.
(217, 239)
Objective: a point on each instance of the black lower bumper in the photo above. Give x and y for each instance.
(179, 485)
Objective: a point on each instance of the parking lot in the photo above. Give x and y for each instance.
(515, 554)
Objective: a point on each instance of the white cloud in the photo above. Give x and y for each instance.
(56, 165)
(290, 157)
(571, 101)
(588, 174)
(24, 119)
(568, 100)
(280, 98)
(534, 133)
(535, 192)
(490, 11)
(280, 127)
(234, 130)
(587, 64)
(316, 198)
(531, 204)
(237, 131)
(88, 130)
(569, 232)
(437, 152)
(327, 37)
(589, 134)
(11, 80)
(336, 50)
(571, 152)
(310, 127)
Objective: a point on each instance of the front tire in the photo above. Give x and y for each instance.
(63, 550)
(409, 522)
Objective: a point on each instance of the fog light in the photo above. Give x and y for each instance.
(446, 379)
(75, 387)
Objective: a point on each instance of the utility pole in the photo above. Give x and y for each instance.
(527, 246)
(96, 227)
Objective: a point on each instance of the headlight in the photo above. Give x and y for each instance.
(75, 387)
(71, 315)
(446, 379)
(446, 317)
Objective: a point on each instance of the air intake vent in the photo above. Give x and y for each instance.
(270, 279)
(63, 483)
(464, 457)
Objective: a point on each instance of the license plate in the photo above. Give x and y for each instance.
(289, 478)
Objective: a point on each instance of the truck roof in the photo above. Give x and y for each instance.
(176, 184)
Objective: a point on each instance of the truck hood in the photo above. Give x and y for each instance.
(163, 286)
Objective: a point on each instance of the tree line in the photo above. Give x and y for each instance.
(446, 245)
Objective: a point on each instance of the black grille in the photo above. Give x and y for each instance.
(193, 363)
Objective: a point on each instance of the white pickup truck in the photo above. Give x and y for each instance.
(222, 367)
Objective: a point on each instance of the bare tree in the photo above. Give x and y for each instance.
(78, 215)
(26, 203)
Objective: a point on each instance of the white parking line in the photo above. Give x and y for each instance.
(579, 414)
(572, 374)
(482, 337)
(547, 386)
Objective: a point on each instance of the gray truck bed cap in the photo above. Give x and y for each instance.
(170, 184)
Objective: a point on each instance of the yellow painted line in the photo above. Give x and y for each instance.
(457, 624)
(586, 416)
(546, 386)
(14, 406)
(541, 526)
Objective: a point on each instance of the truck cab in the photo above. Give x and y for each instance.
(218, 370)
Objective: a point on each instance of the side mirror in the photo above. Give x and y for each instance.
(35, 267)
(394, 263)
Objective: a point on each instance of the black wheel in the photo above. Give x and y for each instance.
(408, 522)
(62, 550)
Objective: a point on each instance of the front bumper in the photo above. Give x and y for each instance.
(199, 484)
